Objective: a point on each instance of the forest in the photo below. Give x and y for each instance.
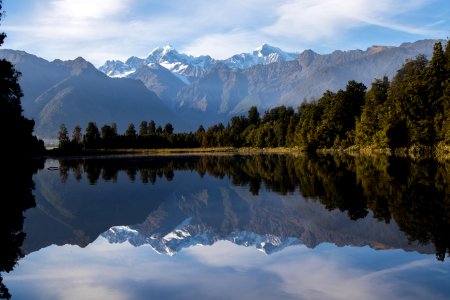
(410, 112)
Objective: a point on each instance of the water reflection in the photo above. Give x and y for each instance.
(16, 186)
(176, 195)
(295, 210)
(224, 270)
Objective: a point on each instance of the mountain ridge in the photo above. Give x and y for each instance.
(203, 90)
(74, 93)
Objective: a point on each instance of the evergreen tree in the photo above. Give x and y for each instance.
(310, 118)
(168, 128)
(445, 130)
(143, 128)
(253, 116)
(91, 137)
(370, 122)
(77, 136)
(108, 136)
(114, 129)
(131, 131)
(290, 134)
(408, 120)
(199, 134)
(444, 119)
(436, 75)
(151, 127)
(63, 137)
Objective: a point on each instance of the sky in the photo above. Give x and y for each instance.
(100, 30)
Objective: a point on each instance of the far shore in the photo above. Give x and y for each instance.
(441, 153)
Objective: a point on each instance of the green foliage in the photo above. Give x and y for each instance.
(409, 116)
(413, 111)
(253, 115)
(369, 126)
(310, 118)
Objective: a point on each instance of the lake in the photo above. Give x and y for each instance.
(226, 227)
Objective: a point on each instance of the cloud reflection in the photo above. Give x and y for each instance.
(225, 270)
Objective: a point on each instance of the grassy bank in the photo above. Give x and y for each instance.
(416, 152)
(441, 153)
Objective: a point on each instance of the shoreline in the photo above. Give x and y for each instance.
(440, 153)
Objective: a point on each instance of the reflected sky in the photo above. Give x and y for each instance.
(197, 228)
(227, 271)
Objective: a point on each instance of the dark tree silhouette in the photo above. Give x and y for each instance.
(168, 128)
(63, 137)
(77, 136)
(16, 182)
(92, 136)
(18, 130)
(131, 131)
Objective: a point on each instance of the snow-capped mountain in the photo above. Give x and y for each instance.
(188, 67)
(116, 69)
(184, 66)
(262, 55)
(190, 233)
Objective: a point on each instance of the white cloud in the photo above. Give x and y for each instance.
(116, 29)
(311, 20)
(222, 46)
(85, 9)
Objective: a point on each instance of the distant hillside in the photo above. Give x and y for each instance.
(225, 91)
(75, 92)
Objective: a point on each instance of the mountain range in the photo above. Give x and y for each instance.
(75, 92)
(168, 86)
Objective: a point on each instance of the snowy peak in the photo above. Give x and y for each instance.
(267, 51)
(171, 59)
(185, 67)
(188, 67)
(190, 233)
(116, 68)
(163, 53)
(162, 50)
(263, 55)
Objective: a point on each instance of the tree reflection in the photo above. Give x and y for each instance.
(17, 186)
(413, 193)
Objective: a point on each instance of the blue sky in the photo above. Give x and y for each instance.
(117, 29)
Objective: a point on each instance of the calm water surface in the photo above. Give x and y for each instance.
(229, 227)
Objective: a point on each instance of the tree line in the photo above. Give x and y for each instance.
(412, 111)
(148, 135)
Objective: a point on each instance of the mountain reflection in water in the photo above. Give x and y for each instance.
(278, 195)
(278, 204)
